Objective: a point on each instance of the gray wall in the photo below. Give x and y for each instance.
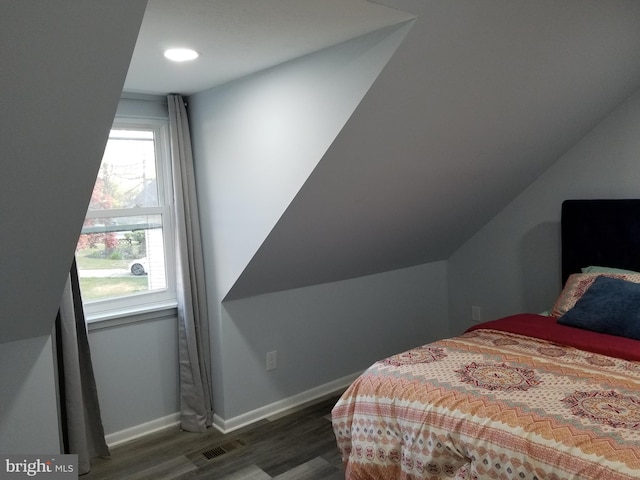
(255, 142)
(136, 362)
(62, 81)
(136, 369)
(63, 66)
(28, 408)
(513, 263)
(321, 333)
(324, 332)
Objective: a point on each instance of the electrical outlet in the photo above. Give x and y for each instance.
(272, 360)
(476, 314)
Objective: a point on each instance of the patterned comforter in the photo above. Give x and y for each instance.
(494, 404)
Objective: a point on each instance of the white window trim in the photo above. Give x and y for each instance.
(136, 307)
(123, 317)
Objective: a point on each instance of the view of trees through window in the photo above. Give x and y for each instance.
(121, 249)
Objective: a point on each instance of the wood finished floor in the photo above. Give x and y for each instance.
(299, 446)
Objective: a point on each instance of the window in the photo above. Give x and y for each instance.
(125, 251)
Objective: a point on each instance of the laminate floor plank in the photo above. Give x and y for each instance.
(315, 469)
(249, 473)
(298, 446)
(170, 469)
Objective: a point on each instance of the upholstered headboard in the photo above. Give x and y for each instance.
(600, 232)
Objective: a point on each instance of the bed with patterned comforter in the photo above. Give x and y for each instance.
(519, 398)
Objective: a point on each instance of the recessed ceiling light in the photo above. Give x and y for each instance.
(181, 54)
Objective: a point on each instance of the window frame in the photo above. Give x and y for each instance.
(151, 301)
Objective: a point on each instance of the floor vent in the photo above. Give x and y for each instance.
(220, 450)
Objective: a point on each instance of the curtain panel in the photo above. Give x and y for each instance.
(81, 427)
(194, 351)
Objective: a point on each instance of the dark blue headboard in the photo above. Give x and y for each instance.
(600, 232)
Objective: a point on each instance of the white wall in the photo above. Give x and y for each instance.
(28, 403)
(513, 263)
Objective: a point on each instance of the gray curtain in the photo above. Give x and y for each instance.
(196, 407)
(80, 422)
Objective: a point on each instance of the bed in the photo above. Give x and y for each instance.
(530, 396)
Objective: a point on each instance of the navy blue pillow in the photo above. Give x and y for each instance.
(610, 305)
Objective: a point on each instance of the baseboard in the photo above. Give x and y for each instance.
(285, 406)
(270, 412)
(128, 434)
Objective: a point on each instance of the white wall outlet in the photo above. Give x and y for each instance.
(476, 314)
(272, 360)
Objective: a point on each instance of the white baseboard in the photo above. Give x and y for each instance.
(137, 431)
(271, 411)
(285, 406)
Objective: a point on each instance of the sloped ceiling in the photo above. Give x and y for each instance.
(236, 38)
(257, 140)
(480, 98)
(63, 67)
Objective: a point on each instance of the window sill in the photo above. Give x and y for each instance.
(113, 318)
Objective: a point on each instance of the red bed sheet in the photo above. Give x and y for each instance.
(547, 328)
